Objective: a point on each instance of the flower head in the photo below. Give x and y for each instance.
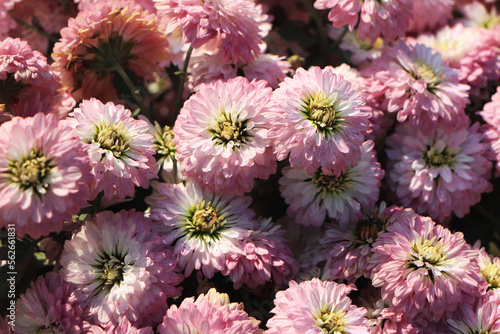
(429, 15)
(425, 270)
(316, 307)
(318, 120)
(209, 313)
(119, 146)
(314, 196)
(120, 266)
(203, 226)
(491, 115)
(221, 135)
(438, 174)
(44, 174)
(103, 37)
(483, 318)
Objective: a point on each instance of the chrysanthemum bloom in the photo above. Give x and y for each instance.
(317, 119)
(316, 306)
(471, 50)
(268, 67)
(240, 25)
(427, 15)
(209, 313)
(6, 22)
(314, 196)
(221, 135)
(25, 78)
(362, 52)
(100, 39)
(483, 318)
(476, 14)
(438, 174)
(44, 172)
(203, 226)
(264, 254)
(489, 267)
(425, 270)
(120, 147)
(124, 326)
(491, 115)
(49, 306)
(370, 17)
(121, 267)
(350, 245)
(416, 83)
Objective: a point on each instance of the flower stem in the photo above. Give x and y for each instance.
(133, 90)
(182, 80)
(319, 23)
(50, 37)
(340, 38)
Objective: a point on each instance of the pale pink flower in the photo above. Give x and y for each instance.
(349, 246)
(489, 267)
(6, 22)
(25, 80)
(438, 174)
(491, 115)
(483, 318)
(110, 33)
(471, 50)
(312, 197)
(318, 121)
(203, 227)
(221, 135)
(44, 172)
(361, 52)
(271, 68)
(477, 14)
(123, 327)
(121, 267)
(425, 270)
(240, 25)
(316, 307)
(264, 255)
(371, 18)
(119, 146)
(49, 305)
(427, 15)
(416, 84)
(210, 313)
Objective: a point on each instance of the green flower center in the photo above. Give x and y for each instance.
(112, 138)
(330, 182)
(431, 77)
(163, 142)
(438, 158)
(110, 269)
(108, 53)
(429, 253)
(205, 221)
(322, 112)
(228, 131)
(332, 323)
(31, 171)
(491, 274)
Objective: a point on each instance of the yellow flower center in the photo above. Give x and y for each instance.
(163, 142)
(435, 158)
(332, 323)
(321, 112)
(110, 270)
(331, 182)
(205, 220)
(491, 274)
(227, 130)
(31, 172)
(431, 77)
(112, 138)
(429, 253)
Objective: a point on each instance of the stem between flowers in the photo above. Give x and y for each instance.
(138, 98)
(182, 80)
(50, 37)
(340, 38)
(319, 23)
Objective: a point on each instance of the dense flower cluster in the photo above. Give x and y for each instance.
(250, 166)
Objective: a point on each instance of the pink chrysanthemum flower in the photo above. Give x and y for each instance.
(268, 67)
(120, 147)
(264, 254)
(477, 14)
(6, 22)
(370, 17)
(121, 267)
(315, 307)
(44, 172)
(438, 174)
(124, 327)
(318, 120)
(362, 52)
(49, 306)
(425, 270)
(429, 15)
(221, 135)
(416, 83)
(483, 318)
(240, 25)
(350, 245)
(111, 34)
(209, 313)
(471, 50)
(489, 267)
(314, 196)
(25, 79)
(204, 227)
(491, 115)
